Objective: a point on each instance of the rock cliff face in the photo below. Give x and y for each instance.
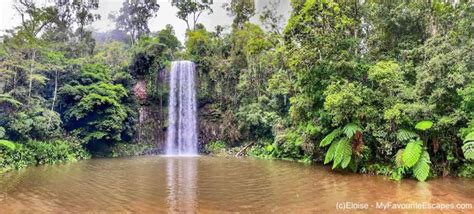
(140, 90)
(152, 96)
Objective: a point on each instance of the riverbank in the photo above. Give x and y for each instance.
(219, 149)
(14, 156)
(32, 153)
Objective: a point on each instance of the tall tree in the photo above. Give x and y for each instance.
(69, 28)
(190, 10)
(270, 19)
(25, 39)
(241, 10)
(134, 16)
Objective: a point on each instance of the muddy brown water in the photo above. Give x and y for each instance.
(159, 184)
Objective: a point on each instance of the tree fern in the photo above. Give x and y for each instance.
(412, 153)
(340, 151)
(330, 137)
(404, 135)
(350, 129)
(421, 169)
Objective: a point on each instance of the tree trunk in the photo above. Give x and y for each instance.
(30, 85)
(243, 149)
(14, 80)
(55, 90)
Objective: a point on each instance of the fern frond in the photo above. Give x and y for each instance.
(404, 135)
(347, 155)
(38, 78)
(421, 169)
(343, 149)
(7, 144)
(7, 98)
(412, 153)
(424, 125)
(468, 147)
(350, 129)
(468, 150)
(330, 153)
(330, 137)
(469, 137)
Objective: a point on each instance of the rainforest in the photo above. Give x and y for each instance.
(330, 90)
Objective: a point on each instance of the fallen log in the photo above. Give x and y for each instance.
(243, 149)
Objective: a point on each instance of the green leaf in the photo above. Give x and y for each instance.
(424, 125)
(412, 153)
(2, 132)
(8, 99)
(347, 155)
(404, 135)
(8, 144)
(330, 153)
(330, 137)
(269, 148)
(350, 129)
(421, 169)
(468, 150)
(469, 137)
(341, 151)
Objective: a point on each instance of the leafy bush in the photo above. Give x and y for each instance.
(215, 147)
(466, 170)
(2, 132)
(96, 111)
(16, 155)
(340, 151)
(34, 122)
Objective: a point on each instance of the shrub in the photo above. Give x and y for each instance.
(215, 147)
(16, 155)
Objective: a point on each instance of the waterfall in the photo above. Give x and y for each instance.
(182, 131)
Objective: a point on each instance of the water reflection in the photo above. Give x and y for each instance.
(208, 184)
(182, 183)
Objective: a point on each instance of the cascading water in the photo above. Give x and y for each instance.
(182, 132)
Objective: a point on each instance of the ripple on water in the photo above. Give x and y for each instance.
(208, 184)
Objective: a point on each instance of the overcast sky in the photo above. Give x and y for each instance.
(166, 15)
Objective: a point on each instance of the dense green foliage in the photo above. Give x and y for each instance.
(16, 156)
(352, 77)
(383, 87)
(63, 96)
